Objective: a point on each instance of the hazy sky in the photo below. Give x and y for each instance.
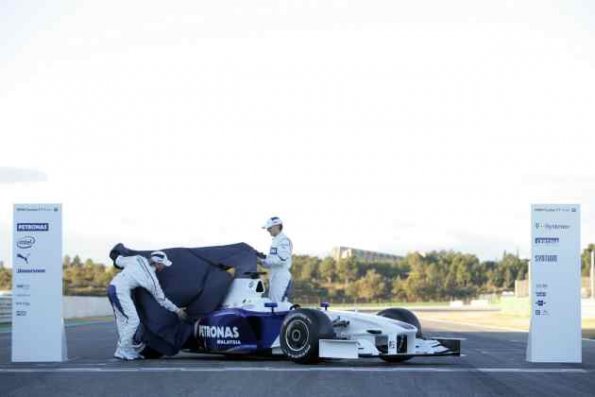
(386, 125)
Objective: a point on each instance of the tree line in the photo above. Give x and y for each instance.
(79, 277)
(433, 276)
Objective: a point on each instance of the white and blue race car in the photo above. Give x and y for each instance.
(250, 324)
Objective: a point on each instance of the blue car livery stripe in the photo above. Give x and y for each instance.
(239, 330)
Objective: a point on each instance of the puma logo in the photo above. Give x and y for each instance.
(24, 257)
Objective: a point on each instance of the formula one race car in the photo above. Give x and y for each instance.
(248, 323)
(229, 314)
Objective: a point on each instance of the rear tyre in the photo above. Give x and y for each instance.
(301, 331)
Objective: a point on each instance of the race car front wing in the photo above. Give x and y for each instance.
(396, 346)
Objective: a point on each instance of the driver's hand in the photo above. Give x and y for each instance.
(182, 315)
(262, 263)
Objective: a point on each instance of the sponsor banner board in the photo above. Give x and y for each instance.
(555, 273)
(37, 322)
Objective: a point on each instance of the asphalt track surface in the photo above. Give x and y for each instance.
(493, 364)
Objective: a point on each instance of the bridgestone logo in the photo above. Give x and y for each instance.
(205, 331)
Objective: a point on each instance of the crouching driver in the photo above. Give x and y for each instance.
(136, 272)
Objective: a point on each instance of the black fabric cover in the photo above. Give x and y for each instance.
(197, 280)
(209, 298)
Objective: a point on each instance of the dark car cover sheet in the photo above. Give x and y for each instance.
(197, 280)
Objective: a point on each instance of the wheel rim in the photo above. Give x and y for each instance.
(297, 335)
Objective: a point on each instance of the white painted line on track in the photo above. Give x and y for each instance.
(486, 327)
(474, 325)
(293, 369)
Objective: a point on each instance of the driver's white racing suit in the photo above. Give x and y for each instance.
(137, 272)
(279, 261)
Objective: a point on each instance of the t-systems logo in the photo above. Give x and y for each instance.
(551, 226)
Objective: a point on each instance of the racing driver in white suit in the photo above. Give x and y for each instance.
(136, 272)
(278, 260)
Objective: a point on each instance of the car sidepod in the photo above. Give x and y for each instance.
(238, 331)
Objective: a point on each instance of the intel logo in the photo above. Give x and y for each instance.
(26, 242)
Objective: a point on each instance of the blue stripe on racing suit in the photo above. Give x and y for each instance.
(113, 298)
(287, 290)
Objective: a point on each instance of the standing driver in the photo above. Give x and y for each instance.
(136, 272)
(278, 260)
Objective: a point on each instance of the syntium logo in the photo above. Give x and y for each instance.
(546, 258)
(206, 331)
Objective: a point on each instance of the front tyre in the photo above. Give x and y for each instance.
(393, 359)
(301, 331)
(404, 315)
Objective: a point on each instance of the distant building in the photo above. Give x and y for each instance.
(369, 256)
(1, 264)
